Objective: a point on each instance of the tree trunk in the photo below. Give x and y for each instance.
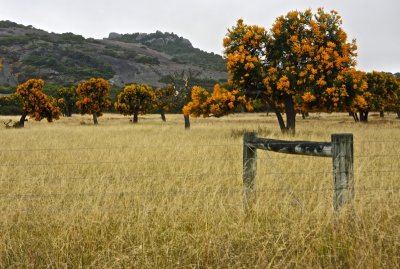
(69, 111)
(187, 121)
(290, 115)
(135, 116)
(95, 119)
(278, 115)
(355, 116)
(21, 123)
(381, 114)
(363, 116)
(303, 115)
(398, 114)
(162, 113)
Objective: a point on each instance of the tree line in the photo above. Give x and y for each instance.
(93, 97)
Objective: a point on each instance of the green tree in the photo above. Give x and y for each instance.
(10, 105)
(68, 99)
(93, 97)
(135, 99)
(164, 99)
(382, 89)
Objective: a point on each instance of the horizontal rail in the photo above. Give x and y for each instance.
(320, 149)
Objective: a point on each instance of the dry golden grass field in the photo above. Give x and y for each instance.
(152, 195)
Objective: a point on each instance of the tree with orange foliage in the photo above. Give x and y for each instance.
(93, 97)
(36, 103)
(135, 99)
(302, 62)
(357, 98)
(216, 104)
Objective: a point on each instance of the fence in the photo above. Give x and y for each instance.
(340, 149)
(222, 183)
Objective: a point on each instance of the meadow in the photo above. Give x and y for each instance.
(153, 195)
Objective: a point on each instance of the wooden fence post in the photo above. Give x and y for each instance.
(343, 181)
(249, 171)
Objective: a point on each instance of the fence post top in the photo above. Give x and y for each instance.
(346, 135)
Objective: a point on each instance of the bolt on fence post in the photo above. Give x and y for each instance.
(249, 171)
(343, 179)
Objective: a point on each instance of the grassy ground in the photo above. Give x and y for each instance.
(153, 195)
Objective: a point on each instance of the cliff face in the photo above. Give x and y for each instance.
(121, 58)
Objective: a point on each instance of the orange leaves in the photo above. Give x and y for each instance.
(308, 97)
(331, 45)
(243, 48)
(304, 56)
(226, 41)
(283, 84)
(321, 82)
(199, 104)
(276, 28)
(360, 103)
(293, 15)
(218, 103)
(93, 96)
(36, 103)
(135, 98)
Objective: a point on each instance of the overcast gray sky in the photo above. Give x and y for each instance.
(374, 23)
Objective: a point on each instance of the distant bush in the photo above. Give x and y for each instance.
(10, 24)
(7, 89)
(110, 52)
(14, 40)
(144, 59)
(10, 105)
(71, 38)
(66, 61)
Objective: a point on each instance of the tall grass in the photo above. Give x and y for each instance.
(152, 195)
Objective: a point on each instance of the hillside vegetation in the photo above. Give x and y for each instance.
(68, 58)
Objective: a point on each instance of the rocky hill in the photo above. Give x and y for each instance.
(66, 59)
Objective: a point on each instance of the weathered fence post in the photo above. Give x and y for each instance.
(249, 171)
(343, 181)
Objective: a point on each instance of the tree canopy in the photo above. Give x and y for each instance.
(382, 92)
(165, 97)
(217, 104)
(35, 103)
(303, 62)
(135, 99)
(93, 97)
(68, 97)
